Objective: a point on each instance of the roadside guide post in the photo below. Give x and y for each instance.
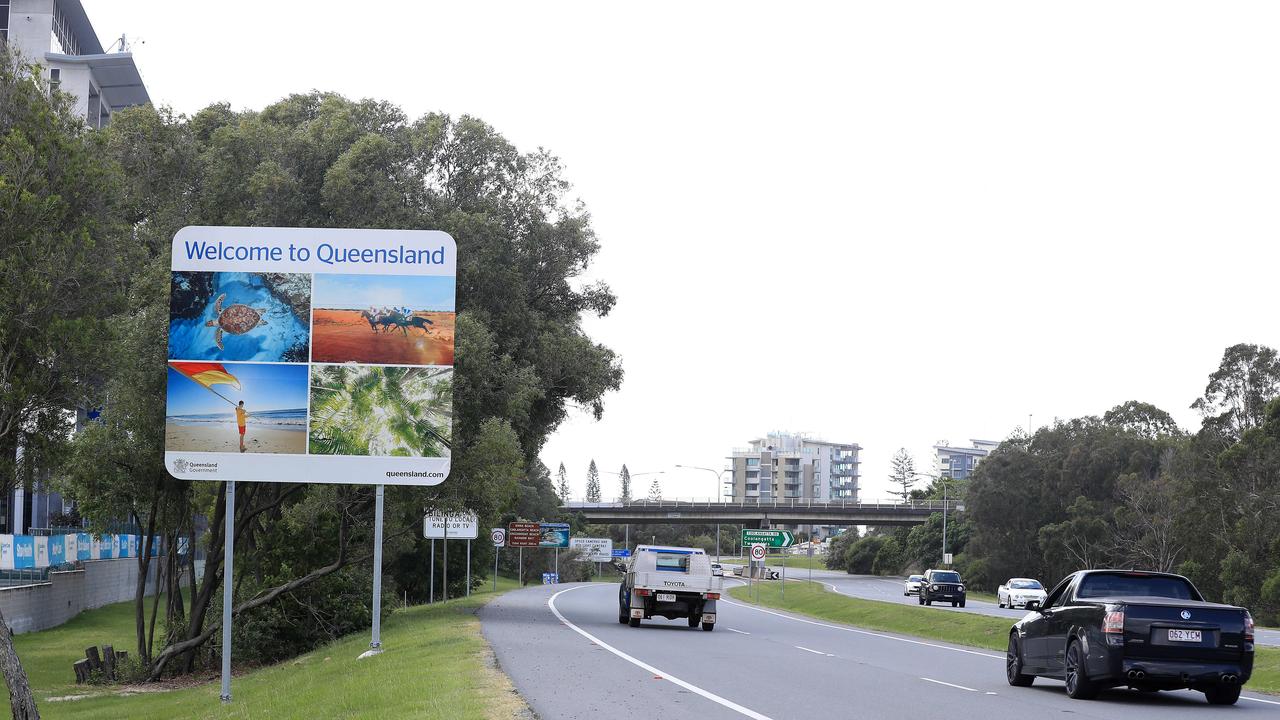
(431, 594)
(228, 555)
(375, 645)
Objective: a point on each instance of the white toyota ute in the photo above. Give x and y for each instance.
(669, 582)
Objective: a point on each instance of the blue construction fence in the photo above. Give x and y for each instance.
(18, 552)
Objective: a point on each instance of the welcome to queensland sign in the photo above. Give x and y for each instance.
(311, 355)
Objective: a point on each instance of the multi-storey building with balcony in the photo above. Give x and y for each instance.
(791, 466)
(57, 35)
(958, 463)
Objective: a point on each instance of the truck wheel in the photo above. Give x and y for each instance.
(694, 620)
(929, 603)
(1222, 694)
(634, 622)
(954, 603)
(712, 626)
(1079, 686)
(1013, 665)
(961, 603)
(622, 615)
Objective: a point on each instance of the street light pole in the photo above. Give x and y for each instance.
(719, 496)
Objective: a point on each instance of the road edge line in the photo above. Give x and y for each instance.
(551, 603)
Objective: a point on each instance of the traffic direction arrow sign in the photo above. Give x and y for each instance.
(771, 538)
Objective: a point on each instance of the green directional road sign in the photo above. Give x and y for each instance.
(771, 538)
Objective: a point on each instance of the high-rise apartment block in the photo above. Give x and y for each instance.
(790, 466)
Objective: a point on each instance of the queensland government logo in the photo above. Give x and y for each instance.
(183, 466)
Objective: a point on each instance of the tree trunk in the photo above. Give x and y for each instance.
(21, 700)
(140, 589)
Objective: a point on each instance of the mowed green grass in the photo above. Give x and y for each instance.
(436, 665)
(972, 629)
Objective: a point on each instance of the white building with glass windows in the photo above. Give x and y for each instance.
(57, 35)
(958, 463)
(791, 466)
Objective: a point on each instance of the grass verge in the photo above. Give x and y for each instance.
(436, 665)
(991, 633)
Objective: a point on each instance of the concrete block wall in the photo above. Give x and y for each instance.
(28, 608)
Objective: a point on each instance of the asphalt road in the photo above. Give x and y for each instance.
(889, 589)
(569, 657)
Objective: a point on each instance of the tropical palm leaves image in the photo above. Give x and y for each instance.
(381, 411)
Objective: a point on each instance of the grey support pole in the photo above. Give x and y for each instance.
(444, 586)
(432, 592)
(228, 580)
(784, 574)
(557, 564)
(520, 568)
(496, 550)
(468, 568)
(375, 646)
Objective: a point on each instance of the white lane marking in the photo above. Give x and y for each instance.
(815, 652)
(958, 687)
(864, 632)
(740, 632)
(551, 603)
(1269, 702)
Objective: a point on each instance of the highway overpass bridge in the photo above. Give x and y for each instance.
(761, 513)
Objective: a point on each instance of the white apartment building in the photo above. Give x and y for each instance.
(57, 35)
(958, 463)
(791, 466)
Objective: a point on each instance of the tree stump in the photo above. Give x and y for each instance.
(109, 663)
(91, 654)
(81, 668)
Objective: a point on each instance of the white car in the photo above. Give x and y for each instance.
(1016, 592)
(717, 569)
(912, 586)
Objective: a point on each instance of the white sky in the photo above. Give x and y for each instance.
(887, 223)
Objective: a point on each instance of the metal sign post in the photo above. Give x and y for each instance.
(432, 593)
(784, 575)
(375, 645)
(228, 580)
(499, 538)
(468, 568)
(444, 586)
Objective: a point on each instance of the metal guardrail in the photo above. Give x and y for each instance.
(788, 503)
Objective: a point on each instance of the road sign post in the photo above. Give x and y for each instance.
(499, 538)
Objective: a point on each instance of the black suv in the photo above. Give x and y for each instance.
(942, 585)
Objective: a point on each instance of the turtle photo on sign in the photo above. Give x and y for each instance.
(239, 316)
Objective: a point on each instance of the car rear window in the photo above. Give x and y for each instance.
(915, 578)
(946, 577)
(672, 562)
(1112, 585)
(1025, 585)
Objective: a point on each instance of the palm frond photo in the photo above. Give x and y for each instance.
(396, 411)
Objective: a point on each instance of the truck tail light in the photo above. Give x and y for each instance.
(1113, 622)
(643, 592)
(713, 596)
(1248, 627)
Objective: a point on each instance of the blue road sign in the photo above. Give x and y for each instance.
(622, 553)
(550, 578)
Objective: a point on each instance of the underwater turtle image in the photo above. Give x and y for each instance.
(237, 319)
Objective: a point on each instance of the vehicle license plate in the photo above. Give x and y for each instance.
(670, 597)
(1184, 636)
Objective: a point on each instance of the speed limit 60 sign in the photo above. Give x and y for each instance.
(757, 551)
(498, 536)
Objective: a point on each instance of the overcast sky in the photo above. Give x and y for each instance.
(884, 223)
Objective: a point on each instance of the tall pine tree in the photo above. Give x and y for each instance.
(655, 490)
(625, 476)
(593, 483)
(903, 474)
(562, 484)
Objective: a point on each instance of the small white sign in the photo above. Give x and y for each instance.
(454, 526)
(498, 536)
(758, 551)
(946, 558)
(593, 549)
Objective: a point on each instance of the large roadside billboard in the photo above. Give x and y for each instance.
(311, 355)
